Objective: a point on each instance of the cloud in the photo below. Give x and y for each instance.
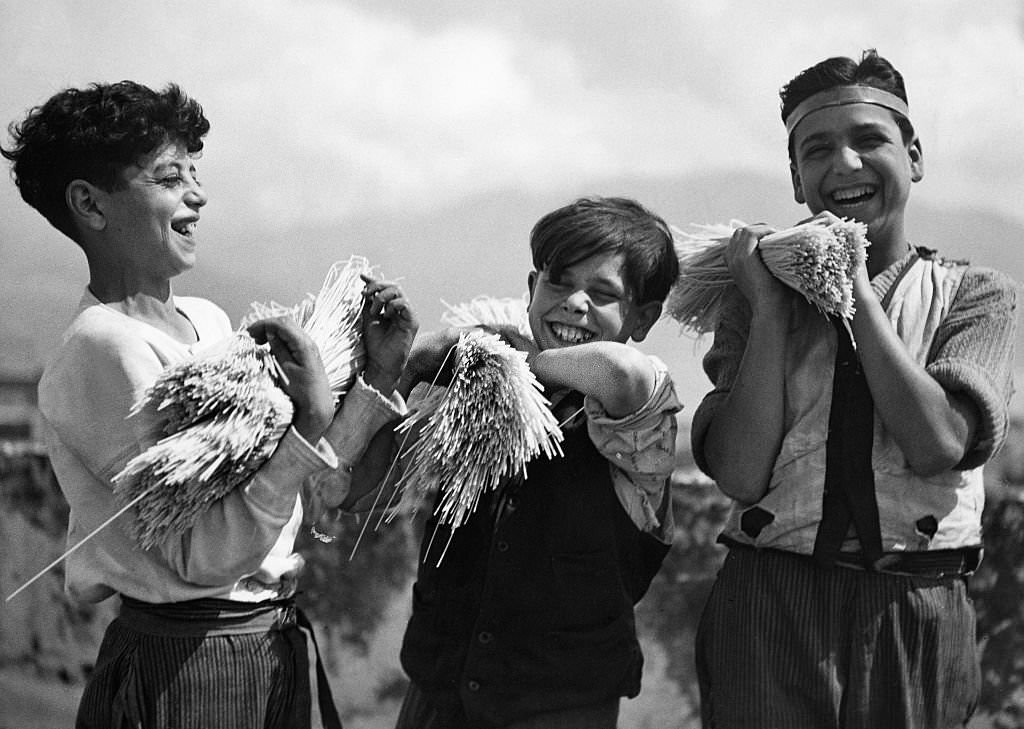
(324, 110)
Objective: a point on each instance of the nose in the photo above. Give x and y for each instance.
(195, 195)
(576, 302)
(846, 159)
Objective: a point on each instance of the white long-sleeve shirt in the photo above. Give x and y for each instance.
(242, 548)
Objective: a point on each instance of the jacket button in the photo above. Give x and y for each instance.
(473, 685)
(485, 637)
(502, 546)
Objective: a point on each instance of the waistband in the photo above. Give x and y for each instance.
(207, 616)
(934, 563)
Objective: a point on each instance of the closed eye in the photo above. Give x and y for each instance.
(605, 297)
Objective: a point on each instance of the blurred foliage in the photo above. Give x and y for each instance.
(350, 592)
(41, 629)
(672, 607)
(348, 581)
(28, 487)
(998, 586)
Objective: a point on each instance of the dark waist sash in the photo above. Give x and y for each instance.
(933, 563)
(207, 616)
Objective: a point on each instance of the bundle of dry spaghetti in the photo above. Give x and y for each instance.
(489, 311)
(817, 258)
(225, 413)
(225, 416)
(333, 320)
(485, 426)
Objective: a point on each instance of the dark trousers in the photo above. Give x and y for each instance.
(418, 712)
(786, 644)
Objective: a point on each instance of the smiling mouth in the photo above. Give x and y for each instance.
(185, 228)
(569, 334)
(852, 196)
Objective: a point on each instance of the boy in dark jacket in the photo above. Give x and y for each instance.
(528, 619)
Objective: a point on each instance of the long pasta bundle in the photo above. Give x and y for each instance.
(817, 258)
(225, 416)
(485, 426)
(225, 413)
(489, 311)
(333, 320)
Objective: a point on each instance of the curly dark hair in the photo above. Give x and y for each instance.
(594, 225)
(93, 134)
(871, 70)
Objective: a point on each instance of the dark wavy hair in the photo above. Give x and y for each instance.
(594, 225)
(94, 134)
(871, 70)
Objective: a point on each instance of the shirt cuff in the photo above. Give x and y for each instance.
(363, 412)
(662, 400)
(993, 419)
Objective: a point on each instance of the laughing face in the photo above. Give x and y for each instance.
(153, 215)
(587, 302)
(853, 161)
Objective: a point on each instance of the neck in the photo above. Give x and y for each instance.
(886, 248)
(111, 282)
(150, 301)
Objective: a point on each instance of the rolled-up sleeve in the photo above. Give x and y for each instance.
(973, 354)
(640, 448)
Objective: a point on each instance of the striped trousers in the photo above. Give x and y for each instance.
(786, 644)
(207, 664)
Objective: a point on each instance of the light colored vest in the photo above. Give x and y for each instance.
(915, 512)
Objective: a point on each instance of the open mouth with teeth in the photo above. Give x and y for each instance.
(569, 334)
(853, 196)
(186, 228)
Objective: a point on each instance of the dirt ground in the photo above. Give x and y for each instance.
(32, 703)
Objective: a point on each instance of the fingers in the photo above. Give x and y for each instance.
(385, 300)
(754, 232)
(288, 342)
(305, 380)
(743, 244)
(761, 289)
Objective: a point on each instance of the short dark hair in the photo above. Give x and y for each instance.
(94, 134)
(594, 225)
(871, 70)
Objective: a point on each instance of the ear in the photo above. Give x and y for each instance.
(531, 281)
(798, 186)
(916, 154)
(647, 316)
(84, 201)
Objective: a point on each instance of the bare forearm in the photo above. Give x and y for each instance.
(619, 376)
(934, 428)
(746, 433)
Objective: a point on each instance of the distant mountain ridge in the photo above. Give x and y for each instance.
(479, 246)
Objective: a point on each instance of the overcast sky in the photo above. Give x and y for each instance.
(328, 111)
(381, 104)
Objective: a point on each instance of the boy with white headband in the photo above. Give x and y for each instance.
(856, 470)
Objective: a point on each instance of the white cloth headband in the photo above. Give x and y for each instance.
(843, 95)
